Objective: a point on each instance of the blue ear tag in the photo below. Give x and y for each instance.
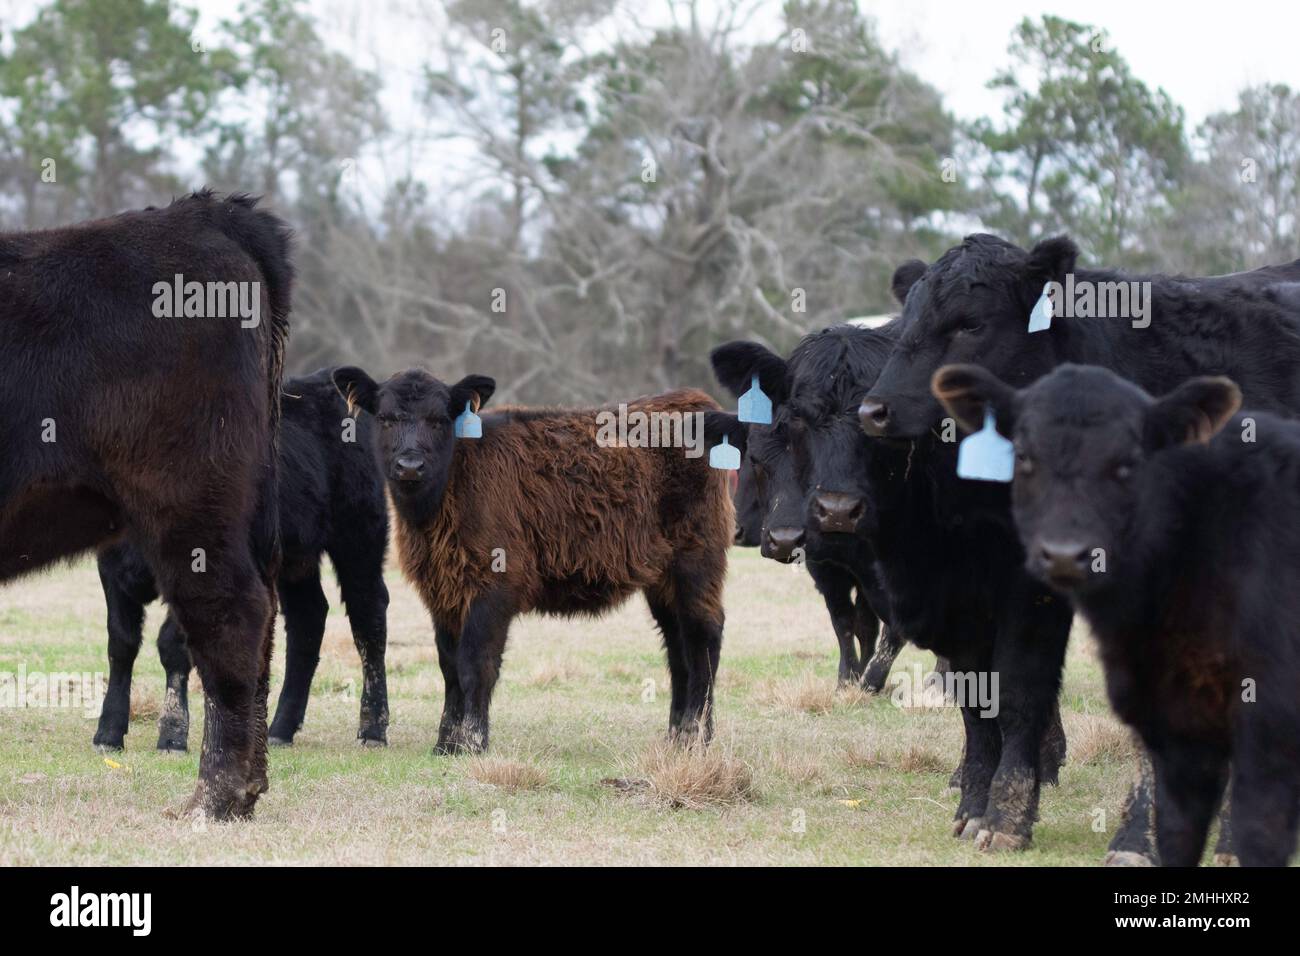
(468, 425)
(986, 455)
(1040, 320)
(754, 406)
(725, 456)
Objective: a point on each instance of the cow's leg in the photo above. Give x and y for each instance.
(1189, 784)
(453, 701)
(174, 651)
(1028, 659)
(697, 590)
(1265, 793)
(979, 760)
(836, 588)
(938, 675)
(361, 581)
(678, 675)
(888, 647)
(478, 664)
(226, 610)
(125, 635)
(1051, 755)
(1134, 843)
(305, 610)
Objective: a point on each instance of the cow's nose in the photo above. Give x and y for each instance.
(1064, 562)
(782, 542)
(874, 417)
(837, 513)
(410, 468)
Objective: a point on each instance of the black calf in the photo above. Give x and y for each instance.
(782, 461)
(1175, 529)
(331, 502)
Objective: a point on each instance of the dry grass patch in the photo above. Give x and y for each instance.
(507, 773)
(801, 767)
(695, 777)
(912, 758)
(1093, 738)
(810, 694)
(145, 704)
(550, 673)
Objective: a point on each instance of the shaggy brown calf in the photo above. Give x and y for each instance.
(130, 411)
(536, 515)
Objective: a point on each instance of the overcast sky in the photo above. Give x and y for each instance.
(1201, 52)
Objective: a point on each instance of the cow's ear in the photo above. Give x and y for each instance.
(719, 424)
(736, 363)
(1193, 412)
(475, 389)
(357, 388)
(967, 390)
(1050, 260)
(905, 277)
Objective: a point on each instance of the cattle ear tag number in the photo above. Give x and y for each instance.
(468, 425)
(725, 456)
(1040, 320)
(986, 455)
(754, 406)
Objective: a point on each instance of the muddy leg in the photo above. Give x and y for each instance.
(174, 724)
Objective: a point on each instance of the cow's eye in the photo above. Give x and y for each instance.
(1123, 471)
(970, 326)
(386, 420)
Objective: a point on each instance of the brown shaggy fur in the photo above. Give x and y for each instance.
(582, 527)
(579, 528)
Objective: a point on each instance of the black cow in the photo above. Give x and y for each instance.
(973, 305)
(133, 406)
(938, 561)
(783, 467)
(1176, 531)
(331, 502)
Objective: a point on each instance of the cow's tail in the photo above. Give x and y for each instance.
(268, 240)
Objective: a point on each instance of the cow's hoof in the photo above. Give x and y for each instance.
(998, 842)
(109, 748)
(172, 747)
(372, 742)
(1126, 858)
(1226, 859)
(967, 829)
(279, 741)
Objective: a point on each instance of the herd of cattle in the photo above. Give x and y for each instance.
(1152, 484)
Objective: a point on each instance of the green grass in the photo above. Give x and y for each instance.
(836, 778)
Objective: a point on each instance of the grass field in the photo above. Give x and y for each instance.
(799, 773)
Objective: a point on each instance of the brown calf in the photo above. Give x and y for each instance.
(537, 516)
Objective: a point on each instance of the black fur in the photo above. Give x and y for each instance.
(166, 430)
(1182, 550)
(331, 502)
